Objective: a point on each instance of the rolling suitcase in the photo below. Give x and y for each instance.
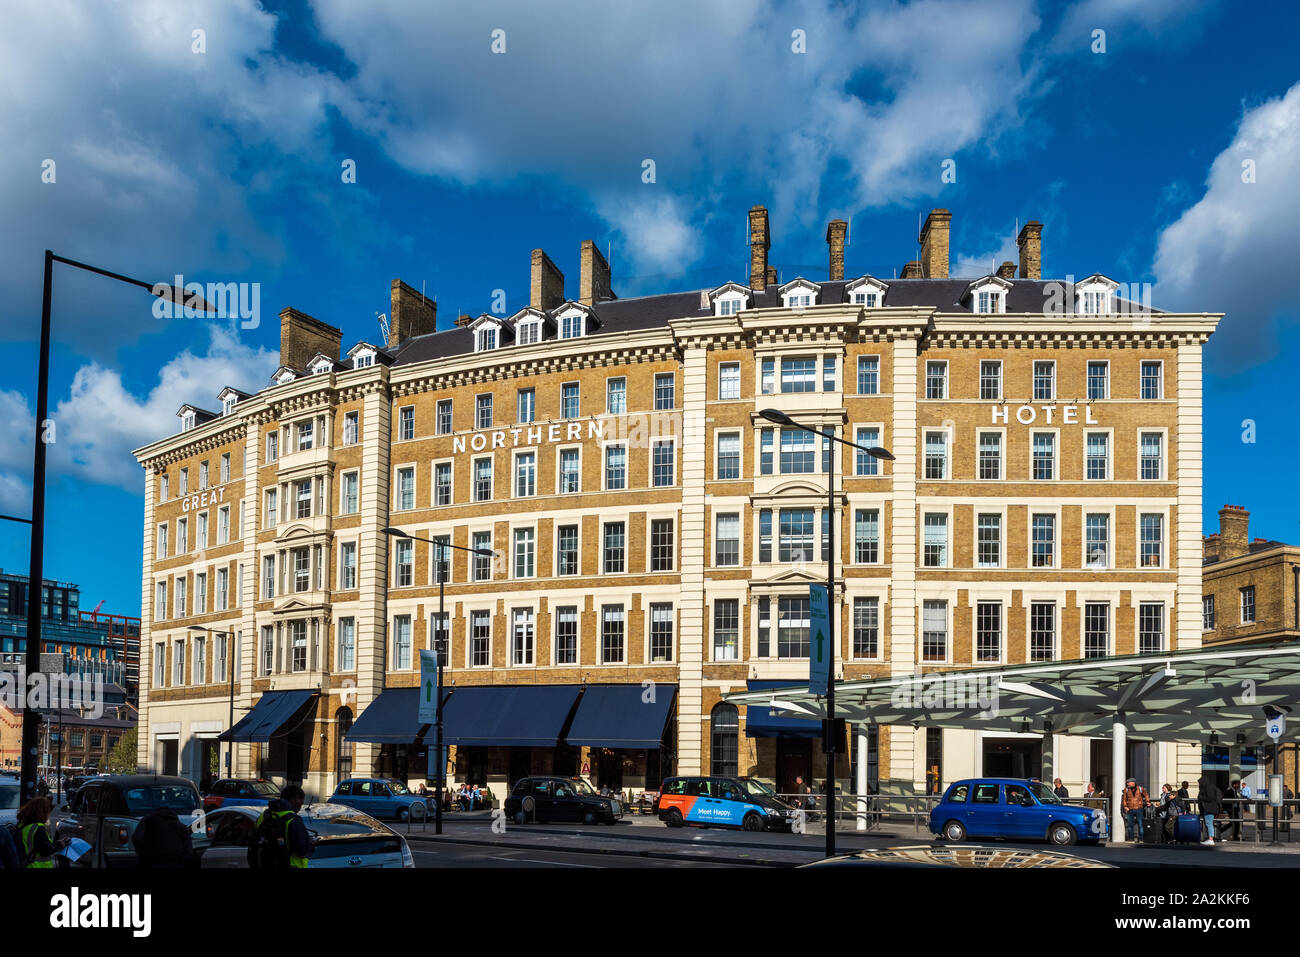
(1187, 829)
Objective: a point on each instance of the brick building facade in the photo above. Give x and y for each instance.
(652, 531)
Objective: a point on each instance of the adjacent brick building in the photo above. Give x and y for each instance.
(652, 531)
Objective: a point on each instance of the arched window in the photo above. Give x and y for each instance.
(343, 747)
(725, 724)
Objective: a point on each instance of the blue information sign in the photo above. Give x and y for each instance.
(819, 632)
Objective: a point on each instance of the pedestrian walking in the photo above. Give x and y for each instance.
(1210, 801)
(1183, 794)
(162, 841)
(1133, 802)
(1236, 809)
(34, 842)
(280, 839)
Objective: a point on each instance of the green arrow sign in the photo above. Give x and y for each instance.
(427, 703)
(819, 622)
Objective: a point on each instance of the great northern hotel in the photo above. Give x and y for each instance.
(654, 537)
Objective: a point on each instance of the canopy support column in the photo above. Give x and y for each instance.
(1048, 770)
(861, 784)
(1118, 751)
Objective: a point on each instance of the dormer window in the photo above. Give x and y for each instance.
(320, 364)
(187, 420)
(284, 375)
(1094, 295)
(228, 405)
(729, 299)
(571, 326)
(528, 333)
(363, 360)
(988, 296)
(865, 291)
(486, 339)
(799, 294)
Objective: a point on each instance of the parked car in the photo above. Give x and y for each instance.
(549, 798)
(344, 836)
(1012, 808)
(10, 790)
(105, 811)
(722, 802)
(384, 798)
(968, 855)
(239, 791)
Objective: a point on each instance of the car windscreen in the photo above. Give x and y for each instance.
(582, 787)
(757, 789)
(8, 799)
(398, 787)
(152, 797)
(1044, 793)
(266, 789)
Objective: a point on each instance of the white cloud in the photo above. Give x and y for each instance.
(982, 264)
(99, 422)
(1234, 250)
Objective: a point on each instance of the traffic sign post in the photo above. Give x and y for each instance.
(1275, 726)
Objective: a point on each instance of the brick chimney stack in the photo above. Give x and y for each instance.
(594, 278)
(760, 240)
(547, 287)
(411, 314)
(1030, 242)
(1234, 532)
(1007, 270)
(911, 270)
(836, 230)
(934, 244)
(302, 336)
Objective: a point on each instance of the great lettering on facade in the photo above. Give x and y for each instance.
(1028, 414)
(203, 499)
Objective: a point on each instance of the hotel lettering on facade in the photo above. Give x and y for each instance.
(655, 537)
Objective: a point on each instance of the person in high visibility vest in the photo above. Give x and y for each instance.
(280, 823)
(35, 846)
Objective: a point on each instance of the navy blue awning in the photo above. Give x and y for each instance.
(507, 715)
(390, 719)
(615, 716)
(765, 723)
(270, 713)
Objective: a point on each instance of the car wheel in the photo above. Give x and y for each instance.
(588, 817)
(1061, 833)
(521, 817)
(673, 818)
(752, 822)
(954, 831)
(402, 815)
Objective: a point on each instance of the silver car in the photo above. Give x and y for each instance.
(343, 836)
(9, 791)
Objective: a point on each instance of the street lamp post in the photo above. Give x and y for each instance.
(31, 731)
(230, 674)
(442, 764)
(876, 452)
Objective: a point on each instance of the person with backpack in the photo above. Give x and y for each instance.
(34, 842)
(1134, 802)
(280, 838)
(161, 840)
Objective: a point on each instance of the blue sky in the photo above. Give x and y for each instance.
(224, 164)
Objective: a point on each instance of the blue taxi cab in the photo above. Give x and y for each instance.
(1012, 808)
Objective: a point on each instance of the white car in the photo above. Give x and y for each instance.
(344, 837)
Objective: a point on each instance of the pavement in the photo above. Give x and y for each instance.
(642, 841)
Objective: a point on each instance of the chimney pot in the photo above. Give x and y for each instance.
(302, 336)
(1234, 531)
(1007, 270)
(594, 277)
(760, 240)
(411, 314)
(1030, 242)
(911, 270)
(547, 287)
(934, 244)
(836, 230)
